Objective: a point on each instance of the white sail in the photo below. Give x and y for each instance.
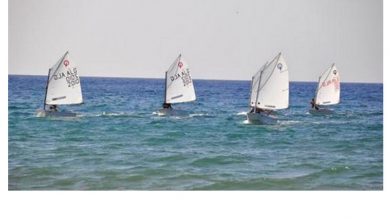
(255, 85)
(328, 90)
(273, 90)
(63, 86)
(178, 83)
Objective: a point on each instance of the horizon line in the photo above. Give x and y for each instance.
(135, 77)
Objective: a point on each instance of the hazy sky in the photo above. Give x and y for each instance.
(223, 39)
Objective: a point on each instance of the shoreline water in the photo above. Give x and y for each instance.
(119, 144)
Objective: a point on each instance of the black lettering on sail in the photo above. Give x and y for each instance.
(72, 78)
(174, 77)
(58, 98)
(186, 77)
(178, 96)
(58, 76)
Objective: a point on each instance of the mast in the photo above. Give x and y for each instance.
(47, 85)
(258, 90)
(165, 91)
(250, 93)
(318, 86)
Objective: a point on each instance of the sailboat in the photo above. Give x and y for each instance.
(179, 86)
(269, 91)
(327, 92)
(63, 87)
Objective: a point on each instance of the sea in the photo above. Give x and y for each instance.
(119, 142)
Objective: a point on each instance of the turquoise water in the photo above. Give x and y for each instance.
(119, 143)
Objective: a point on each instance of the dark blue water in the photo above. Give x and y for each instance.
(119, 143)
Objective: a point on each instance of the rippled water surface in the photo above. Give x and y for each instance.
(119, 143)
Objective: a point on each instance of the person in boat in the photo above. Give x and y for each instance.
(266, 111)
(314, 105)
(259, 110)
(53, 108)
(254, 110)
(167, 105)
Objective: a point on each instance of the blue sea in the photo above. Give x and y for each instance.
(119, 142)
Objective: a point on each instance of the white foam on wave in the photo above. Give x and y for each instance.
(197, 115)
(246, 122)
(105, 114)
(159, 113)
(113, 113)
(290, 122)
(241, 113)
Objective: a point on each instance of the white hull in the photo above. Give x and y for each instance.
(166, 112)
(322, 111)
(261, 118)
(46, 113)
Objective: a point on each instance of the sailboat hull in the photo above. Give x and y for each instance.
(261, 118)
(322, 111)
(165, 111)
(45, 113)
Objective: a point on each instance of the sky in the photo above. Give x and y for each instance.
(219, 39)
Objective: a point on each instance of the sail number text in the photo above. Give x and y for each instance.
(184, 75)
(335, 81)
(71, 77)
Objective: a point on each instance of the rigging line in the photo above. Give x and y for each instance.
(270, 74)
(62, 59)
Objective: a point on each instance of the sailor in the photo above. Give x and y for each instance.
(313, 104)
(53, 108)
(167, 105)
(266, 111)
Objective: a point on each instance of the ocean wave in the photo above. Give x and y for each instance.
(197, 115)
(246, 121)
(288, 122)
(181, 114)
(113, 114)
(216, 160)
(155, 113)
(109, 114)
